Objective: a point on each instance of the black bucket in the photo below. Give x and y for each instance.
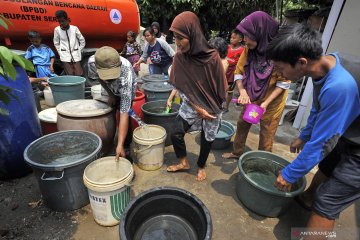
(166, 213)
(58, 161)
(154, 78)
(154, 114)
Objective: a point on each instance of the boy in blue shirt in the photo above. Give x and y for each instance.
(41, 56)
(332, 134)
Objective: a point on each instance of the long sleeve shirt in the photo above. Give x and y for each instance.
(336, 105)
(69, 43)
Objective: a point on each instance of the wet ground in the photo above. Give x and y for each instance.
(23, 216)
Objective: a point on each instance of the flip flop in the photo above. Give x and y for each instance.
(302, 203)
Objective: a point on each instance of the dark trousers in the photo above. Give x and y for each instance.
(177, 137)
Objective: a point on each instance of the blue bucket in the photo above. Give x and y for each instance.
(66, 88)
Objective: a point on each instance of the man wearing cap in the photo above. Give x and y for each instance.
(118, 78)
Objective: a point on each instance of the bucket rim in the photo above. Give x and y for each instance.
(44, 118)
(61, 167)
(158, 114)
(257, 186)
(66, 84)
(103, 159)
(198, 201)
(61, 108)
(154, 141)
(146, 87)
(228, 125)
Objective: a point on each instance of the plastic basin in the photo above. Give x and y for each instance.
(223, 137)
(255, 184)
(166, 213)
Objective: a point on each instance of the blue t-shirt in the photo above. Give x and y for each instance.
(40, 55)
(336, 104)
(158, 55)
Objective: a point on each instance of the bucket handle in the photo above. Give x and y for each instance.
(52, 178)
(141, 150)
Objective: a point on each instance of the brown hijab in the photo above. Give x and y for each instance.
(199, 73)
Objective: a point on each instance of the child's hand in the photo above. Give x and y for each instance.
(136, 65)
(52, 69)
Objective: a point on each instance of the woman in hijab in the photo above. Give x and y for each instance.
(156, 27)
(198, 75)
(258, 82)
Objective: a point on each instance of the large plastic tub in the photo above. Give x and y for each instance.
(157, 91)
(19, 128)
(58, 161)
(154, 113)
(67, 88)
(255, 184)
(166, 213)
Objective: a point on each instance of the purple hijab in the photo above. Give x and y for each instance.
(262, 28)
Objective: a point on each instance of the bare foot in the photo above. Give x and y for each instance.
(201, 176)
(229, 156)
(183, 165)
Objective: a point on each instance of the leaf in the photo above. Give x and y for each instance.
(9, 69)
(3, 24)
(6, 53)
(24, 63)
(4, 97)
(4, 112)
(6, 20)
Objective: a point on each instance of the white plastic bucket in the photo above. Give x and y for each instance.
(148, 146)
(108, 183)
(49, 99)
(96, 91)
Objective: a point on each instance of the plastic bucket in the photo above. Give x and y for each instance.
(154, 114)
(58, 161)
(255, 184)
(136, 106)
(154, 78)
(49, 99)
(96, 91)
(48, 119)
(166, 213)
(253, 113)
(148, 146)
(157, 91)
(109, 190)
(67, 88)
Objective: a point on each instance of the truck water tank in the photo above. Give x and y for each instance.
(102, 22)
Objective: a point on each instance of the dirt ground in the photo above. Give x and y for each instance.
(23, 216)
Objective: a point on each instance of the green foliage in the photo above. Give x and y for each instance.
(7, 68)
(216, 15)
